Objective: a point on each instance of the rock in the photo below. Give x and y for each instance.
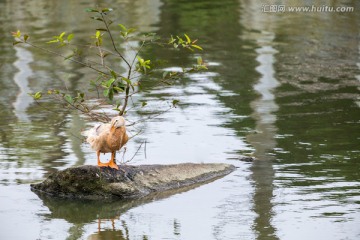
(93, 182)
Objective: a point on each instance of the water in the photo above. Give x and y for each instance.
(283, 87)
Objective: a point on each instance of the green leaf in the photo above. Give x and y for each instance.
(128, 81)
(69, 99)
(113, 74)
(53, 41)
(131, 30)
(97, 18)
(171, 40)
(118, 89)
(106, 10)
(70, 37)
(37, 96)
(143, 104)
(122, 27)
(91, 10)
(187, 38)
(123, 34)
(199, 61)
(121, 85)
(62, 34)
(196, 46)
(180, 40)
(16, 42)
(101, 29)
(106, 92)
(26, 37)
(141, 60)
(111, 94)
(98, 34)
(16, 34)
(108, 83)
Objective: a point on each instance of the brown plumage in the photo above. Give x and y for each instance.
(108, 137)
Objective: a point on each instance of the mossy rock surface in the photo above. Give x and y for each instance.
(93, 182)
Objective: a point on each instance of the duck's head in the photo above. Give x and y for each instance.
(117, 122)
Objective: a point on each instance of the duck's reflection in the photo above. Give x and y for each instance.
(108, 235)
(105, 214)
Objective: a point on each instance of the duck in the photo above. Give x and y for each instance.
(108, 138)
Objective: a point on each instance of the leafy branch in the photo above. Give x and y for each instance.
(116, 84)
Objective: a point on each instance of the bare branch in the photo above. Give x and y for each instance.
(127, 90)
(150, 117)
(135, 153)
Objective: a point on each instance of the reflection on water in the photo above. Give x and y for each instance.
(265, 107)
(263, 140)
(23, 100)
(358, 77)
(282, 87)
(264, 112)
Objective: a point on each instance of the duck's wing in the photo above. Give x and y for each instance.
(125, 137)
(95, 133)
(118, 138)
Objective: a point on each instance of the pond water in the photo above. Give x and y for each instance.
(283, 87)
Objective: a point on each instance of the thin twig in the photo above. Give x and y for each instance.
(126, 99)
(127, 89)
(150, 117)
(70, 59)
(145, 149)
(135, 153)
(137, 53)
(112, 39)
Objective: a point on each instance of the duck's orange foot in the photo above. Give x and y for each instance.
(100, 164)
(112, 164)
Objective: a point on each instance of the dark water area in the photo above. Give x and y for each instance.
(281, 86)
